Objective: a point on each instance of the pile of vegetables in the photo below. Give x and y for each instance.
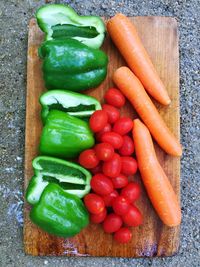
(76, 127)
(72, 62)
(112, 164)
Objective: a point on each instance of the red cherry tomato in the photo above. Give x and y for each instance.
(129, 165)
(104, 151)
(120, 181)
(127, 147)
(98, 120)
(133, 217)
(131, 192)
(123, 125)
(120, 205)
(112, 168)
(112, 223)
(101, 184)
(94, 203)
(112, 138)
(108, 199)
(96, 169)
(112, 112)
(98, 218)
(107, 128)
(115, 98)
(123, 235)
(88, 159)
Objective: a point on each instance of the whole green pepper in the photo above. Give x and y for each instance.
(73, 178)
(72, 103)
(65, 136)
(71, 65)
(59, 21)
(59, 213)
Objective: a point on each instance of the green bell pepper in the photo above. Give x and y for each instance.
(60, 21)
(71, 177)
(65, 136)
(71, 65)
(72, 103)
(59, 213)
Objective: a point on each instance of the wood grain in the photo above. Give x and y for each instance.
(159, 35)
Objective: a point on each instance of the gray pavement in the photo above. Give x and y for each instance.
(14, 17)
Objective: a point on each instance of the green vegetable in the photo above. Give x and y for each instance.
(65, 136)
(72, 103)
(60, 21)
(59, 213)
(71, 65)
(71, 177)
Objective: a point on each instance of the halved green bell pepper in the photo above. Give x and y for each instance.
(71, 65)
(71, 177)
(65, 136)
(59, 213)
(60, 21)
(72, 103)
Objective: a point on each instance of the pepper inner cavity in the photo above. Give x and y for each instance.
(56, 168)
(78, 108)
(64, 185)
(68, 30)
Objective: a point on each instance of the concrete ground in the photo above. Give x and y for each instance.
(14, 17)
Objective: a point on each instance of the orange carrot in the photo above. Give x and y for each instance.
(125, 37)
(157, 184)
(132, 88)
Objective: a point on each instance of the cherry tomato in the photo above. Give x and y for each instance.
(107, 128)
(98, 120)
(112, 112)
(129, 165)
(98, 218)
(94, 203)
(131, 192)
(96, 169)
(112, 223)
(115, 98)
(123, 235)
(127, 148)
(123, 125)
(112, 168)
(101, 184)
(108, 199)
(104, 151)
(120, 205)
(120, 181)
(112, 138)
(88, 159)
(133, 217)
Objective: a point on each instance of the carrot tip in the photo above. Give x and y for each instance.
(167, 102)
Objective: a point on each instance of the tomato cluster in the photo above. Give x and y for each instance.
(111, 163)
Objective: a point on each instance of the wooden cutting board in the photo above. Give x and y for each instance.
(159, 35)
